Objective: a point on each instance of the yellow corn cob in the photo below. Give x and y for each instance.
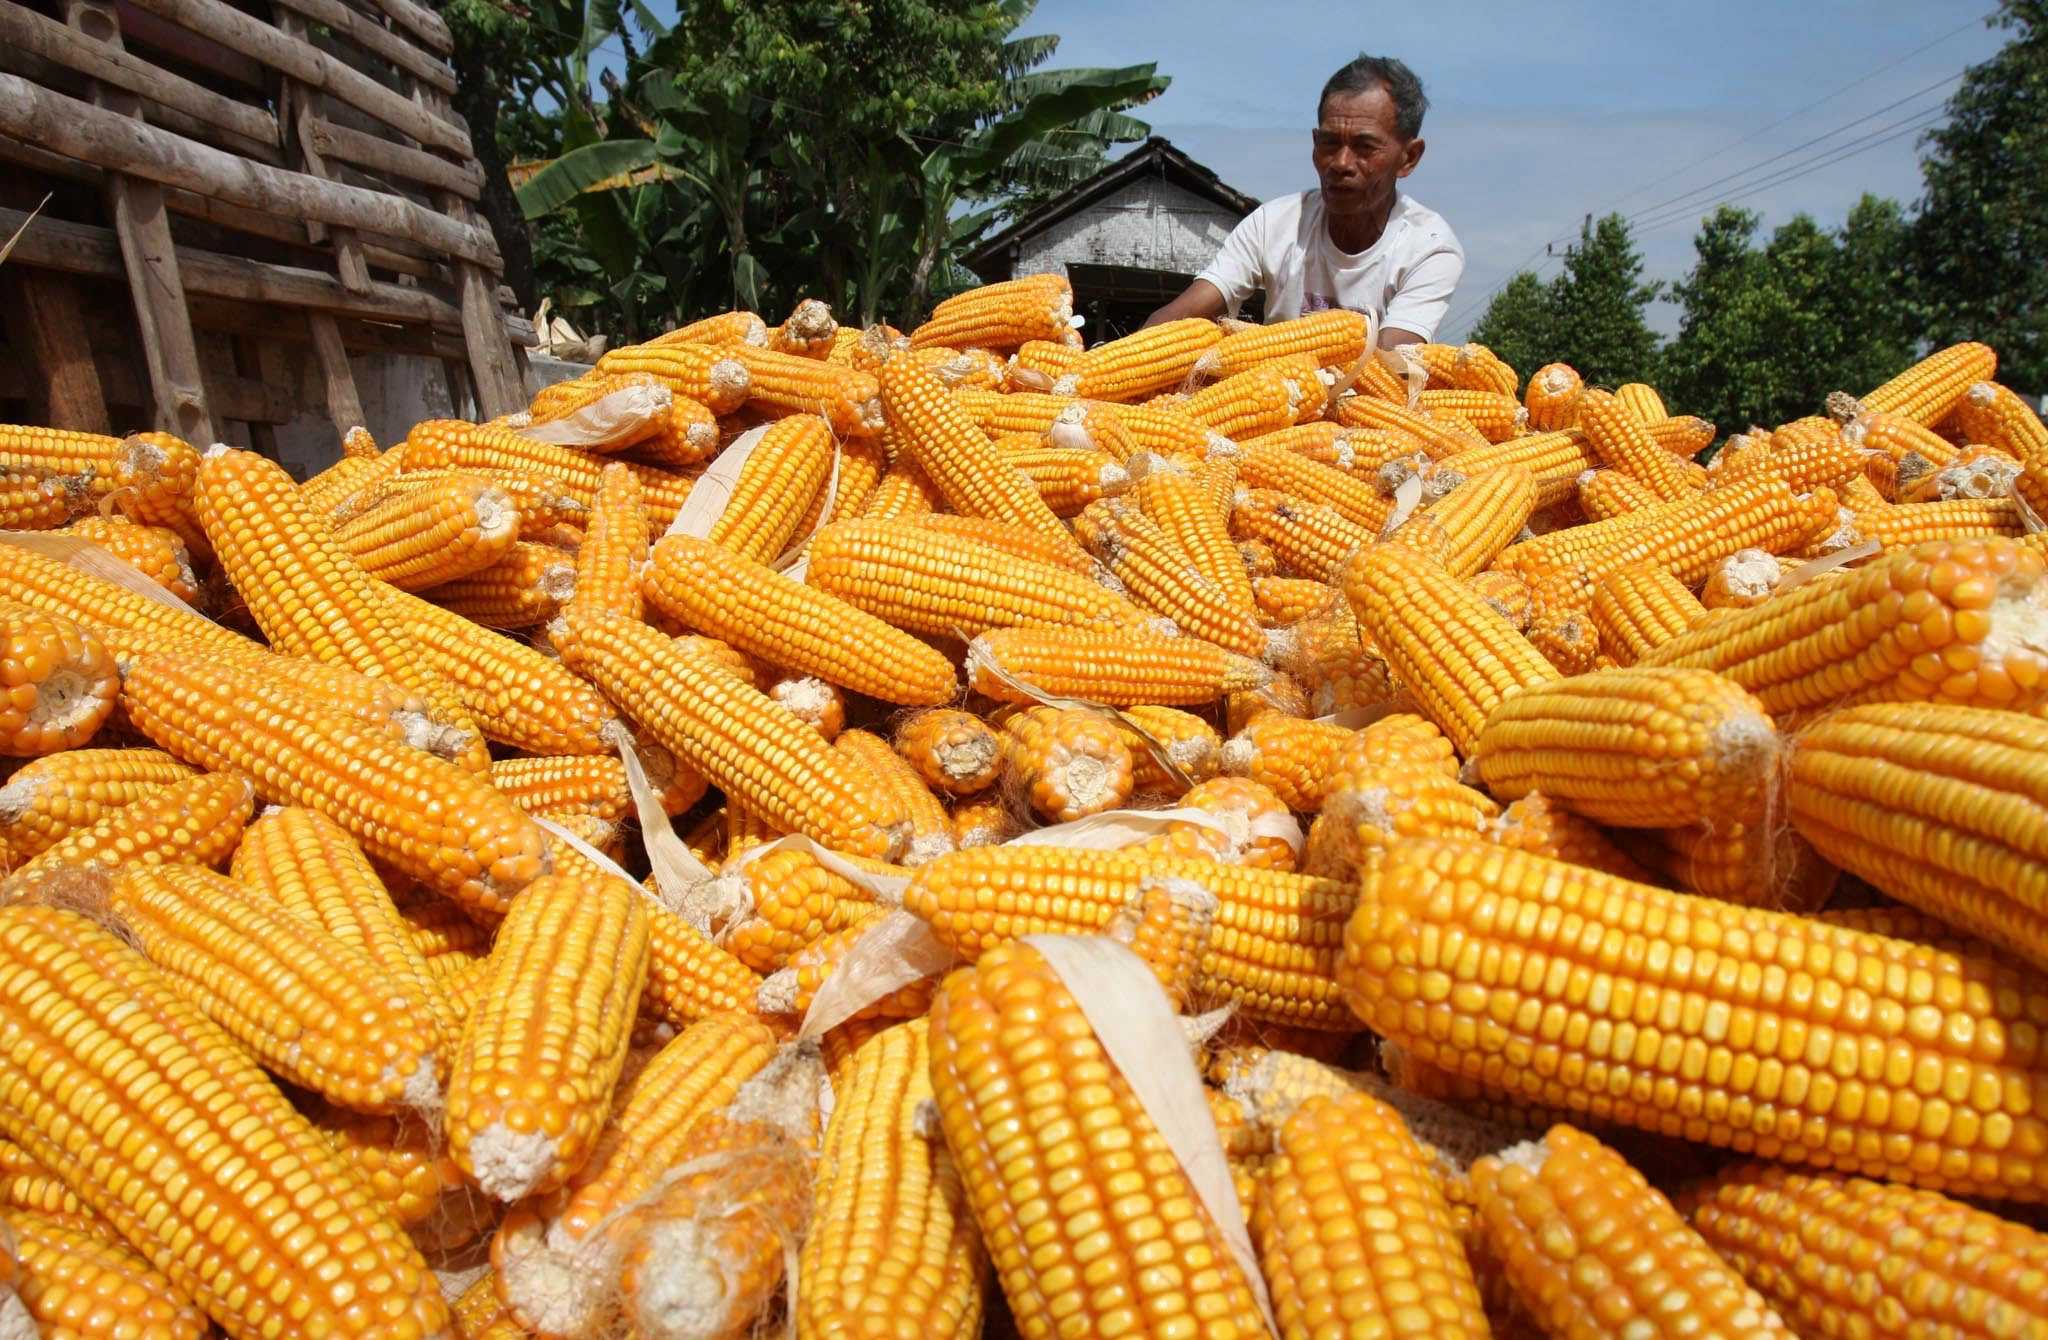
(563, 399)
(1833, 1252)
(352, 477)
(515, 695)
(1294, 758)
(1037, 364)
(1993, 415)
(1123, 429)
(313, 1009)
(800, 626)
(1332, 338)
(58, 682)
(1433, 910)
(1594, 1250)
(862, 464)
(126, 621)
(782, 384)
(1561, 624)
(1067, 480)
(1618, 438)
(704, 371)
(1376, 379)
(1118, 667)
(1000, 316)
(544, 1252)
(1898, 922)
(1067, 763)
(1943, 622)
(924, 580)
(1399, 798)
(1938, 806)
(736, 737)
(892, 1248)
(1744, 579)
(153, 486)
(1691, 536)
(161, 1106)
(428, 819)
(1538, 825)
(447, 937)
(528, 586)
(1643, 606)
(481, 1314)
(1241, 802)
(1143, 1259)
(1497, 417)
(1606, 494)
(1649, 748)
(613, 552)
(1308, 539)
(304, 861)
(1271, 949)
(808, 331)
(1912, 450)
(1269, 467)
(958, 457)
(80, 1282)
(1552, 397)
(1188, 742)
(1478, 368)
(194, 821)
(543, 504)
(1283, 601)
(1930, 389)
(1976, 472)
(1143, 363)
(1506, 592)
(788, 467)
(27, 1185)
(1031, 545)
(1262, 400)
(422, 538)
(1433, 437)
(954, 752)
(1452, 650)
(1642, 401)
(1022, 412)
(1158, 573)
(931, 831)
(412, 1175)
(792, 900)
(544, 1047)
(683, 435)
(555, 785)
(59, 794)
(154, 551)
(794, 989)
(441, 444)
(1859, 494)
(1483, 515)
(737, 327)
(1757, 865)
(1905, 524)
(46, 452)
(1683, 435)
(1556, 459)
(963, 367)
(1354, 1233)
(33, 501)
(302, 586)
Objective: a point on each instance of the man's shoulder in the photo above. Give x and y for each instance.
(1427, 230)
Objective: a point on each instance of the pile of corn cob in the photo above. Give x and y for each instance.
(606, 871)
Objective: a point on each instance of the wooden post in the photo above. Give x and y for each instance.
(144, 231)
(49, 325)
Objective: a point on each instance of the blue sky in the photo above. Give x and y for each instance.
(1543, 112)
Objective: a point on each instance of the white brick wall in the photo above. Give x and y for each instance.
(1149, 223)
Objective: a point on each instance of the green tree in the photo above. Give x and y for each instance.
(1519, 325)
(1590, 315)
(763, 152)
(1980, 240)
(1597, 302)
(1767, 332)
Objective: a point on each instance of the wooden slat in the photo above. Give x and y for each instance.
(423, 23)
(311, 66)
(397, 160)
(121, 144)
(46, 313)
(344, 406)
(144, 29)
(376, 39)
(78, 248)
(45, 37)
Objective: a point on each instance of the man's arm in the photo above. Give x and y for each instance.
(1200, 298)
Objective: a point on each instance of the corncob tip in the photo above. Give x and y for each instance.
(216, 450)
(1283, 646)
(553, 1292)
(778, 992)
(1843, 407)
(422, 1088)
(1529, 1156)
(1238, 754)
(509, 1164)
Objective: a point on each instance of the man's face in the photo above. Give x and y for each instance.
(1359, 154)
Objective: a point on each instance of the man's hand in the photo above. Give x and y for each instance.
(1200, 298)
(1393, 337)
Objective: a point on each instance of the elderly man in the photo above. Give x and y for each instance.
(1358, 242)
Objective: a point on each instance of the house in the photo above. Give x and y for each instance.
(1128, 238)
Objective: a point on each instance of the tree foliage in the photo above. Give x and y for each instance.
(762, 152)
(1768, 331)
(1591, 315)
(1980, 241)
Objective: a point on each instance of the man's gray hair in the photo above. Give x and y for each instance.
(1365, 74)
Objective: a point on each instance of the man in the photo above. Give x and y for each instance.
(1357, 243)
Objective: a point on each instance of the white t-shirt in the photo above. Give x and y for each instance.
(1405, 279)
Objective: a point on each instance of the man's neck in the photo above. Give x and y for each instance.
(1353, 233)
